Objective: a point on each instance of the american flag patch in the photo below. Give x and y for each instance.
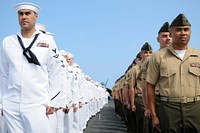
(41, 44)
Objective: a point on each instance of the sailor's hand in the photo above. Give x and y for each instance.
(75, 109)
(66, 110)
(50, 110)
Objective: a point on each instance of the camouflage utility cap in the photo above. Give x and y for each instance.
(180, 20)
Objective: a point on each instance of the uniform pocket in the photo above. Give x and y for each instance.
(167, 81)
(167, 73)
(194, 74)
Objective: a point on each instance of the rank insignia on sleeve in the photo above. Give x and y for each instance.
(55, 51)
(195, 64)
(42, 44)
(62, 65)
(56, 56)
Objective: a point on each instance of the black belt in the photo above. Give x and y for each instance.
(183, 99)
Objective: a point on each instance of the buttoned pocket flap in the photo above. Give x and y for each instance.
(194, 71)
(167, 73)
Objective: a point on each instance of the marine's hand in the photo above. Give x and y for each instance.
(133, 108)
(129, 106)
(147, 112)
(156, 123)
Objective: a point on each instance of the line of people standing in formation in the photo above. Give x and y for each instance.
(160, 92)
(42, 89)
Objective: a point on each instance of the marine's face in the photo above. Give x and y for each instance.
(164, 39)
(180, 35)
(27, 19)
(145, 53)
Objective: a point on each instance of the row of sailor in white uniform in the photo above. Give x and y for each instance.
(86, 97)
(79, 99)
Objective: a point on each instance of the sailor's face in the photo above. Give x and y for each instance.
(69, 60)
(27, 19)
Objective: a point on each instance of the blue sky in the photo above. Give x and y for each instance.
(104, 35)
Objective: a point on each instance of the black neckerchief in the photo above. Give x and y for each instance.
(32, 58)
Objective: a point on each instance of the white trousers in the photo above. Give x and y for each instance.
(87, 114)
(81, 118)
(68, 122)
(76, 122)
(60, 121)
(53, 122)
(26, 118)
(2, 125)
